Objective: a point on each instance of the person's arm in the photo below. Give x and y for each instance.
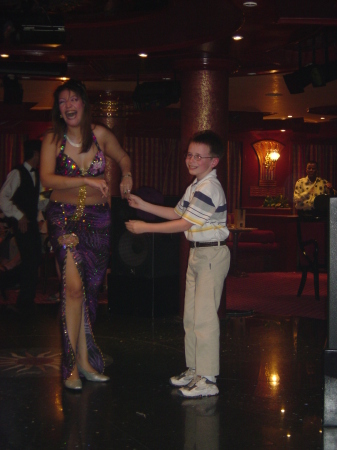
(50, 180)
(330, 189)
(8, 190)
(110, 144)
(300, 195)
(43, 201)
(164, 212)
(172, 226)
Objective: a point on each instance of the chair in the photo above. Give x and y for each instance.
(311, 235)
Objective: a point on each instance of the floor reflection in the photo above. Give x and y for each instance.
(201, 424)
(271, 387)
(83, 423)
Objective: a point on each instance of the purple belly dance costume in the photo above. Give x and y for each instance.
(84, 230)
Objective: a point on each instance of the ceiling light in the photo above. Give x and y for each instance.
(4, 55)
(51, 45)
(289, 117)
(322, 118)
(237, 38)
(142, 55)
(250, 4)
(283, 131)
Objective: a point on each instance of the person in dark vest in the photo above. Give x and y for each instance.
(19, 201)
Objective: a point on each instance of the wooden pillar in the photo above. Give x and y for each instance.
(204, 106)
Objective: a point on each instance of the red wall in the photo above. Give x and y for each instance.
(34, 130)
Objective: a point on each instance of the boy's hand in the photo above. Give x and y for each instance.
(136, 226)
(134, 201)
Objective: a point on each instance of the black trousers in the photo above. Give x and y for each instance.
(30, 248)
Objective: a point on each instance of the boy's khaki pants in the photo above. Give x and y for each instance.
(206, 272)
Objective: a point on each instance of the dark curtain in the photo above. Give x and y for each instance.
(11, 153)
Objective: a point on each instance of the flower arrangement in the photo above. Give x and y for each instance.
(276, 202)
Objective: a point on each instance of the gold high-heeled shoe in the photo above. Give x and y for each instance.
(92, 376)
(75, 385)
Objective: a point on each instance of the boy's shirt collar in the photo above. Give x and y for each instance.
(212, 174)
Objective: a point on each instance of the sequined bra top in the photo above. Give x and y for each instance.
(67, 166)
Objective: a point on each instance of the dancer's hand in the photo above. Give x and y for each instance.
(98, 183)
(136, 226)
(125, 187)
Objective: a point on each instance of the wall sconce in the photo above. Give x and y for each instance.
(271, 158)
(268, 153)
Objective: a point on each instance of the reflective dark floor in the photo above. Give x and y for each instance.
(271, 386)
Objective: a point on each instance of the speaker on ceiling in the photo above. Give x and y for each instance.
(316, 74)
(155, 95)
(144, 279)
(297, 81)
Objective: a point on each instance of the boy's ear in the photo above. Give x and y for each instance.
(215, 162)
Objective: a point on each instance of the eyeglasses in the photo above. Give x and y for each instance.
(196, 157)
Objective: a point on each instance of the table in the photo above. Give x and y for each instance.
(234, 263)
(234, 267)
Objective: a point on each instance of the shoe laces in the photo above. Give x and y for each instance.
(194, 382)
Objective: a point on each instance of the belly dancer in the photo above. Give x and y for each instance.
(72, 165)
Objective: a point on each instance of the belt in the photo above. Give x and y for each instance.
(206, 244)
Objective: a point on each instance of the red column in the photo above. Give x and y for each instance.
(204, 105)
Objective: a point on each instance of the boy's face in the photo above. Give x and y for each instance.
(201, 168)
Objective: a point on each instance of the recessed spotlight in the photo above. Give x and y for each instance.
(250, 4)
(237, 37)
(290, 117)
(4, 55)
(322, 118)
(142, 55)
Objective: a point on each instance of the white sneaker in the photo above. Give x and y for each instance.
(199, 387)
(184, 378)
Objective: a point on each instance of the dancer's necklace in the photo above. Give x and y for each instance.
(73, 143)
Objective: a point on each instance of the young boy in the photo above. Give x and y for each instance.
(202, 215)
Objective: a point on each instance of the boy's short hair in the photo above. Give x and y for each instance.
(311, 162)
(212, 140)
(30, 147)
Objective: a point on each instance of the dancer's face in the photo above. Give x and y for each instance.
(71, 107)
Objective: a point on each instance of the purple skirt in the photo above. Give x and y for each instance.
(91, 255)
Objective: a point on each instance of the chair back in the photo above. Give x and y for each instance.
(312, 242)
